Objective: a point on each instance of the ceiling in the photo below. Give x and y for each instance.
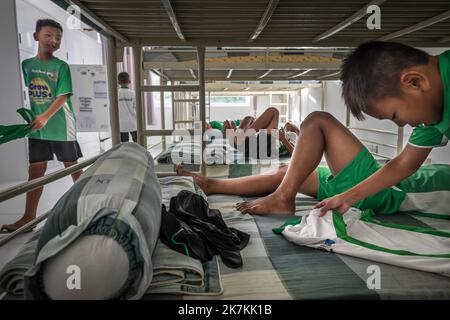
(237, 34)
(269, 23)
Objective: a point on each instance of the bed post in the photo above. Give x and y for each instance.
(201, 97)
(137, 65)
(163, 110)
(347, 117)
(112, 88)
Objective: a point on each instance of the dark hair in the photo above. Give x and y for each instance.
(47, 23)
(123, 77)
(372, 71)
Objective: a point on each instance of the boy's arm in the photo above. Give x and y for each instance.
(282, 137)
(399, 168)
(41, 120)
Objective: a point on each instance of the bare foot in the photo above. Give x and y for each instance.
(16, 225)
(227, 125)
(272, 203)
(200, 180)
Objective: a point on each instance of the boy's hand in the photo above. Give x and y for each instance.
(340, 203)
(282, 135)
(39, 122)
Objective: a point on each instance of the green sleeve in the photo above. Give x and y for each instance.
(25, 75)
(427, 137)
(64, 85)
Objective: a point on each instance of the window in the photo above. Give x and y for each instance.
(230, 101)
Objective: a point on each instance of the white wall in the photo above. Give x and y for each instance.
(334, 103)
(13, 155)
(222, 113)
(311, 100)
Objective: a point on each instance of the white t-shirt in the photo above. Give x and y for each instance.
(291, 137)
(127, 110)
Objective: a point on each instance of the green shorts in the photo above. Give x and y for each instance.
(360, 168)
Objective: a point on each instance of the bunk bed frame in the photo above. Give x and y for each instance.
(325, 26)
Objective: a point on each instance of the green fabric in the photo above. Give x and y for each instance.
(341, 232)
(289, 222)
(46, 80)
(427, 179)
(437, 134)
(359, 169)
(430, 215)
(220, 124)
(17, 131)
(216, 125)
(282, 150)
(434, 177)
(368, 216)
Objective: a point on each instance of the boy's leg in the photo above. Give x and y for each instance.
(227, 125)
(320, 133)
(251, 185)
(35, 170)
(68, 152)
(291, 127)
(267, 120)
(246, 122)
(134, 136)
(124, 137)
(75, 175)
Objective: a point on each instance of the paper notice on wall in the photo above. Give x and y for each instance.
(86, 122)
(90, 97)
(85, 104)
(100, 90)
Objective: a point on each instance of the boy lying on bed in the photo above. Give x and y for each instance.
(402, 84)
(265, 125)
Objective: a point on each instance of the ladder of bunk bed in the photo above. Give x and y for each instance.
(140, 103)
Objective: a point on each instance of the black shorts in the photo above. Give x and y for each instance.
(124, 137)
(43, 150)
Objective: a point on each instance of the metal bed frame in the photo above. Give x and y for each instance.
(119, 37)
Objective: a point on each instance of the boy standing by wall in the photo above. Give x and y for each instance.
(49, 86)
(127, 108)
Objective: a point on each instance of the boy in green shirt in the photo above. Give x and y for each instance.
(387, 81)
(50, 87)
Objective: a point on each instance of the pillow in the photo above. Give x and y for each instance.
(107, 225)
(75, 273)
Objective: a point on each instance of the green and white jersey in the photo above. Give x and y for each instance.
(46, 80)
(438, 134)
(358, 233)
